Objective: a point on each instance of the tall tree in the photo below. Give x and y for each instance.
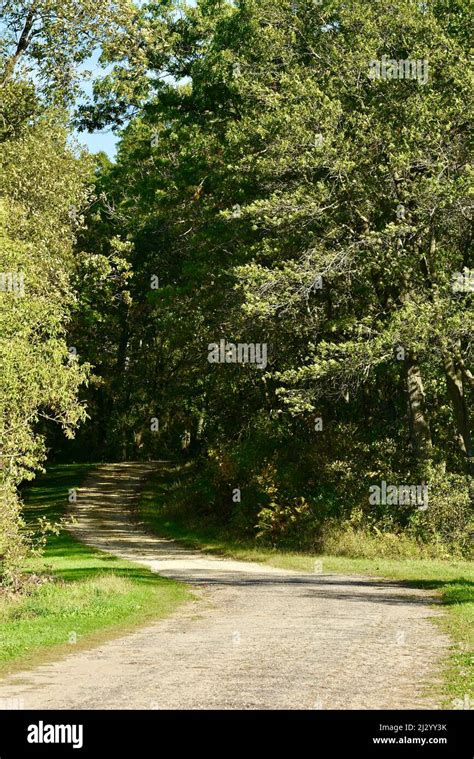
(287, 190)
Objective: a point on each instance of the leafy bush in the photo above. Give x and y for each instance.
(448, 520)
(372, 543)
(13, 540)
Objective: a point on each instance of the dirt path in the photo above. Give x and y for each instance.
(255, 638)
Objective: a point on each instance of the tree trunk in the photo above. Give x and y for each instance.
(22, 46)
(421, 432)
(455, 387)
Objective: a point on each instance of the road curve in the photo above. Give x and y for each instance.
(255, 637)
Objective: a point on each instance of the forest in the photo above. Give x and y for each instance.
(268, 287)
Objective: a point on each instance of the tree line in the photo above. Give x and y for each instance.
(291, 183)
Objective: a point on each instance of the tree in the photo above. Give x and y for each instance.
(45, 187)
(51, 39)
(287, 191)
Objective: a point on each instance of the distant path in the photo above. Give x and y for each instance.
(255, 638)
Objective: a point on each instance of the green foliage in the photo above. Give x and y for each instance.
(38, 378)
(48, 40)
(449, 519)
(275, 192)
(352, 221)
(43, 181)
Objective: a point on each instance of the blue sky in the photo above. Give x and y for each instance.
(106, 140)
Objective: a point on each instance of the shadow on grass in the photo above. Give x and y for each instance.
(457, 591)
(48, 494)
(142, 577)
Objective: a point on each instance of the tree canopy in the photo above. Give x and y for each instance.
(290, 175)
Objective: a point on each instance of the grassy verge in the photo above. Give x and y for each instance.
(453, 582)
(90, 595)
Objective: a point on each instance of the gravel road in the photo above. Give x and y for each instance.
(254, 637)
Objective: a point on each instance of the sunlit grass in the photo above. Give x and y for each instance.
(82, 593)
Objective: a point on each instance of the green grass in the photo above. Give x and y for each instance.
(452, 581)
(90, 595)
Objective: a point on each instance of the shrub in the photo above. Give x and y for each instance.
(13, 539)
(448, 520)
(371, 543)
